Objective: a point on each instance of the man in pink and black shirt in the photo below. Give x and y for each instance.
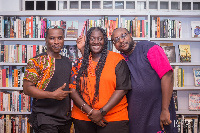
(150, 102)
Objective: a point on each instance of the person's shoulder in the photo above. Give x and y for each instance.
(111, 53)
(115, 56)
(146, 43)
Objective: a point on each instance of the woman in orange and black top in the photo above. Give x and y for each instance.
(100, 81)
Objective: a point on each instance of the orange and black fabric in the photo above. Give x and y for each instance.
(115, 76)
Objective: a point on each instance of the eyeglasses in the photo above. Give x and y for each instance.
(117, 39)
(92, 39)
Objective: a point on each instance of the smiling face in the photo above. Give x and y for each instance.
(122, 40)
(96, 41)
(54, 41)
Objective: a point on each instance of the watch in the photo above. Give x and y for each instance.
(103, 112)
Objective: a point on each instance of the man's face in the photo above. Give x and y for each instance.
(55, 40)
(122, 40)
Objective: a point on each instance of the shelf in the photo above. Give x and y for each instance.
(77, 13)
(185, 64)
(187, 88)
(12, 64)
(66, 39)
(32, 39)
(183, 112)
(176, 39)
(16, 113)
(90, 12)
(11, 88)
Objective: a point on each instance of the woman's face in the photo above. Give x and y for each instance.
(96, 41)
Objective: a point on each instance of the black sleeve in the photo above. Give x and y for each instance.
(123, 81)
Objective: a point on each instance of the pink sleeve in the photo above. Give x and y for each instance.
(158, 60)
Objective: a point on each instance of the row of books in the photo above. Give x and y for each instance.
(35, 27)
(12, 76)
(178, 76)
(184, 52)
(103, 22)
(137, 28)
(22, 53)
(32, 27)
(165, 28)
(19, 53)
(15, 101)
(188, 123)
(15, 124)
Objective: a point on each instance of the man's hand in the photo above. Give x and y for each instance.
(165, 118)
(59, 94)
(80, 42)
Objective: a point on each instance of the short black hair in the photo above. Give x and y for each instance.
(54, 27)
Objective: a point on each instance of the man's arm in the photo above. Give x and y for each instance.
(167, 90)
(30, 89)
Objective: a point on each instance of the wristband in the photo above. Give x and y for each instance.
(90, 112)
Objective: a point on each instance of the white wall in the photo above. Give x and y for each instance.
(10, 5)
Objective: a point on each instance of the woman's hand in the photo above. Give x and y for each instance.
(80, 42)
(96, 117)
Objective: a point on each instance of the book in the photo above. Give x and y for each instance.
(194, 101)
(195, 27)
(169, 50)
(72, 52)
(184, 53)
(174, 94)
(1, 27)
(72, 29)
(196, 73)
(170, 53)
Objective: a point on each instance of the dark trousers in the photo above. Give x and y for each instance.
(49, 128)
(111, 127)
(54, 129)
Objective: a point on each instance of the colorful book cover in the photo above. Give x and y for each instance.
(196, 73)
(193, 101)
(195, 27)
(184, 53)
(72, 29)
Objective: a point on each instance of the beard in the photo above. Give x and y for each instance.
(131, 46)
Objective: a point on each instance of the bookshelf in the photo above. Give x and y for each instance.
(184, 11)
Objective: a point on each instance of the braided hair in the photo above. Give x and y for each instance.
(85, 63)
